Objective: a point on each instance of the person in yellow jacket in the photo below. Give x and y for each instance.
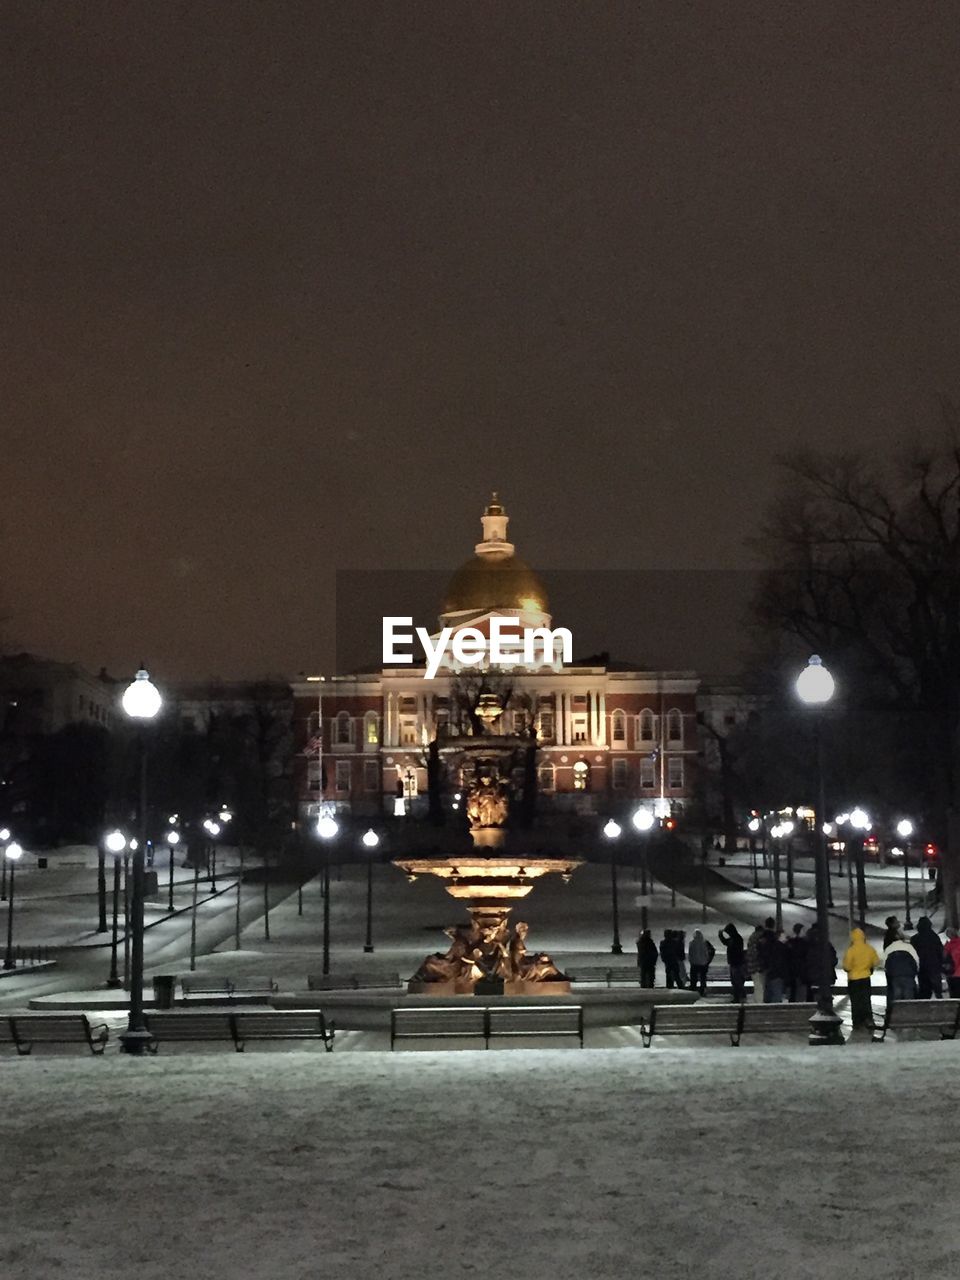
(860, 960)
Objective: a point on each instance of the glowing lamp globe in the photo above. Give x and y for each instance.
(753, 824)
(116, 841)
(173, 837)
(13, 851)
(4, 833)
(643, 819)
(141, 700)
(860, 819)
(815, 684)
(904, 828)
(370, 839)
(327, 828)
(611, 830)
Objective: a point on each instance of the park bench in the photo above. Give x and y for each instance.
(193, 1027)
(24, 1030)
(208, 988)
(775, 1018)
(702, 1019)
(535, 1020)
(351, 981)
(915, 1015)
(283, 1024)
(443, 1022)
(609, 975)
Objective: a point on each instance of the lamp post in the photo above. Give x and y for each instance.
(370, 841)
(12, 854)
(327, 830)
(236, 923)
(612, 831)
(101, 889)
(4, 840)
(643, 821)
(213, 829)
(115, 842)
(905, 831)
(173, 839)
(141, 702)
(815, 687)
(753, 826)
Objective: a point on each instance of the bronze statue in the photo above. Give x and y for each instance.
(530, 968)
(487, 802)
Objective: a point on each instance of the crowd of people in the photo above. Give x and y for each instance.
(786, 966)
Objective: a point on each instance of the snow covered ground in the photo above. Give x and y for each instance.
(558, 1164)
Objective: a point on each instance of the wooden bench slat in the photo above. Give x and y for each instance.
(545, 1020)
(692, 1019)
(918, 1015)
(27, 1029)
(284, 1024)
(776, 1018)
(185, 1026)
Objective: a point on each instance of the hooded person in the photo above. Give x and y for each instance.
(859, 960)
(951, 963)
(736, 959)
(699, 953)
(929, 949)
(647, 958)
(813, 961)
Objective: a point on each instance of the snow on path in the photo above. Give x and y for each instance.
(548, 1165)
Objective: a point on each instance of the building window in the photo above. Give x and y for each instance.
(313, 724)
(407, 706)
(648, 774)
(519, 722)
(546, 724)
(344, 729)
(408, 733)
(371, 729)
(675, 773)
(343, 777)
(579, 699)
(648, 726)
(313, 775)
(409, 779)
(581, 776)
(443, 722)
(371, 775)
(619, 775)
(546, 777)
(618, 732)
(578, 726)
(674, 725)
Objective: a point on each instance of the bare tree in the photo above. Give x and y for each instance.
(864, 563)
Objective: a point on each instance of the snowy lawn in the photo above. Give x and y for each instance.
(540, 1165)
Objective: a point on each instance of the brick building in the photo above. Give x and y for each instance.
(608, 736)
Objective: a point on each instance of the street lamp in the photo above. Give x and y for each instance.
(815, 687)
(115, 842)
(12, 854)
(4, 838)
(327, 830)
(370, 840)
(753, 826)
(173, 839)
(141, 702)
(643, 821)
(213, 830)
(612, 831)
(905, 831)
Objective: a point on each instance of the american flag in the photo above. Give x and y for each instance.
(313, 747)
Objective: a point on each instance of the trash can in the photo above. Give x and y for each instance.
(41, 864)
(163, 988)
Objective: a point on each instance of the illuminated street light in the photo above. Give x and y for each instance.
(612, 829)
(141, 701)
(643, 819)
(12, 854)
(859, 819)
(115, 841)
(327, 829)
(905, 828)
(369, 840)
(815, 687)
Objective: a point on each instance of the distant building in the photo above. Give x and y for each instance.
(608, 735)
(39, 696)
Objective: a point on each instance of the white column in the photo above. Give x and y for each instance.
(388, 719)
(592, 718)
(558, 718)
(603, 719)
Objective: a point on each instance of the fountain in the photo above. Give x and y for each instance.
(485, 957)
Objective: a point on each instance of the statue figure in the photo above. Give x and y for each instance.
(456, 963)
(530, 968)
(487, 802)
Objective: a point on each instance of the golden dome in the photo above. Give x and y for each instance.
(495, 579)
(487, 583)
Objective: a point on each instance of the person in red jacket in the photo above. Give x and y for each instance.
(951, 952)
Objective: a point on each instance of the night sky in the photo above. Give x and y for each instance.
(288, 288)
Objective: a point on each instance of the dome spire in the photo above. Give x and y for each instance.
(494, 521)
